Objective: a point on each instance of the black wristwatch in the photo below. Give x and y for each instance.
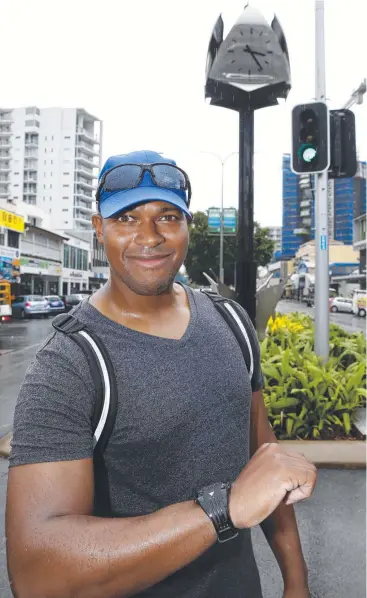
(214, 501)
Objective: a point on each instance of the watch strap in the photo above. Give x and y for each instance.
(213, 500)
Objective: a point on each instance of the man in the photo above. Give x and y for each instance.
(186, 407)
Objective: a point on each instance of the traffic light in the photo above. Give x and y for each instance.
(343, 160)
(310, 138)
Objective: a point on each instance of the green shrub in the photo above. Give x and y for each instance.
(305, 398)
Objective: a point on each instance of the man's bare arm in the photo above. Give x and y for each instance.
(57, 549)
(280, 529)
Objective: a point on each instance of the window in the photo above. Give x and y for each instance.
(65, 197)
(18, 137)
(16, 185)
(66, 185)
(52, 138)
(65, 209)
(2, 238)
(67, 137)
(66, 255)
(79, 259)
(16, 172)
(73, 257)
(45, 162)
(66, 222)
(52, 161)
(50, 211)
(66, 173)
(45, 150)
(13, 239)
(46, 138)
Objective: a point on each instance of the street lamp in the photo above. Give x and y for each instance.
(221, 250)
(246, 71)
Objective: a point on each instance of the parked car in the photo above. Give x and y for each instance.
(71, 301)
(342, 304)
(55, 305)
(26, 306)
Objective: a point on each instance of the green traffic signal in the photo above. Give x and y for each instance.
(307, 152)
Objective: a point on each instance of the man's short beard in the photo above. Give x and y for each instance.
(152, 289)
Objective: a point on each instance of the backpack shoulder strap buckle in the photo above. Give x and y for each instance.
(67, 324)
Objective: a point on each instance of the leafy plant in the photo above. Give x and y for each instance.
(306, 398)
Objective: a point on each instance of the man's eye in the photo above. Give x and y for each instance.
(125, 218)
(170, 217)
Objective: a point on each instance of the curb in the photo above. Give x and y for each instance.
(331, 454)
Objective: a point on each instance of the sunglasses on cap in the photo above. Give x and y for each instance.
(129, 176)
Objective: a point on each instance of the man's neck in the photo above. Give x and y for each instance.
(115, 296)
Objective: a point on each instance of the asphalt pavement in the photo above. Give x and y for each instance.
(349, 322)
(332, 524)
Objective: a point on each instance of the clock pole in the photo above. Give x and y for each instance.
(246, 268)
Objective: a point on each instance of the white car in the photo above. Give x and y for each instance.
(342, 304)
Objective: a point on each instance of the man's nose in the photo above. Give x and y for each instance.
(147, 233)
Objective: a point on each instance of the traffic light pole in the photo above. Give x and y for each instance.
(321, 209)
(245, 264)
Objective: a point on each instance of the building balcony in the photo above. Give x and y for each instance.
(5, 156)
(85, 160)
(32, 166)
(5, 132)
(5, 143)
(84, 222)
(6, 118)
(84, 173)
(31, 143)
(30, 180)
(85, 135)
(4, 192)
(86, 185)
(30, 191)
(83, 208)
(88, 149)
(5, 167)
(84, 197)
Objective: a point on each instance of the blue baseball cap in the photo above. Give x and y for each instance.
(113, 202)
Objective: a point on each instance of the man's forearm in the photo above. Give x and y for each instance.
(280, 529)
(281, 532)
(88, 557)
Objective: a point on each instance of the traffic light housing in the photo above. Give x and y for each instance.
(343, 150)
(310, 138)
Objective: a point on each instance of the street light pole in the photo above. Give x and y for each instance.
(223, 162)
(357, 95)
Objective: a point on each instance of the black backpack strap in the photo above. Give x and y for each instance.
(105, 408)
(238, 323)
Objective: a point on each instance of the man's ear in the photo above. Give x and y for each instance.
(97, 222)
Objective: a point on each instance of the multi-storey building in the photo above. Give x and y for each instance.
(298, 207)
(50, 158)
(275, 234)
(359, 222)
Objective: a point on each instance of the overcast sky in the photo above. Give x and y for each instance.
(139, 66)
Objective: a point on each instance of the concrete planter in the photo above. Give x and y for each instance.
(349, 454)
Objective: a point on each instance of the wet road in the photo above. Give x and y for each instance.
(332, 524)
(349, 322)
(19, 341)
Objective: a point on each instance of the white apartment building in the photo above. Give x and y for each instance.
(50, 158)
(275, 233)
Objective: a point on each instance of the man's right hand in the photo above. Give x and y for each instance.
(272, 475)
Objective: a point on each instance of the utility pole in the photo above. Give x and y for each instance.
(321, 207)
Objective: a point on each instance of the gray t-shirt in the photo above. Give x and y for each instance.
(182, 423)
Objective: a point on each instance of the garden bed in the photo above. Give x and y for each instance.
(306, 399)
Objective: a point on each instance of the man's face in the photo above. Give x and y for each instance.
(145, 246)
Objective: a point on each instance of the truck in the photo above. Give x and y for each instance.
(5, 301)
(360, 302)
